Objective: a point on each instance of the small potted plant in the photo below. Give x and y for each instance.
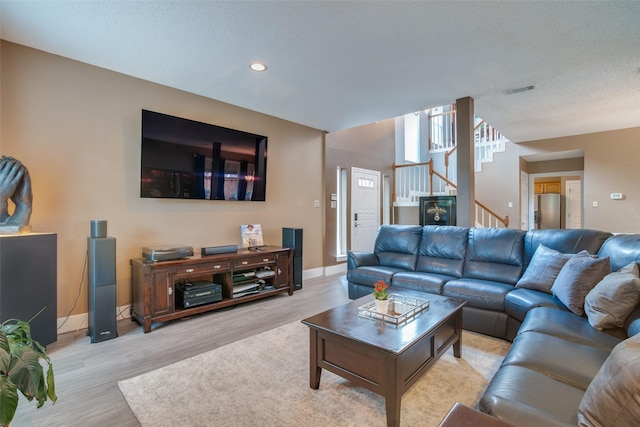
(381, 296)
(20, 369)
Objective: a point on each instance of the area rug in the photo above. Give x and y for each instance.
(263, 380)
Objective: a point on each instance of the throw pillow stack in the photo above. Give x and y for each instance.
(585, 284)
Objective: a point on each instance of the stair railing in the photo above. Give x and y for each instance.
(416, 180)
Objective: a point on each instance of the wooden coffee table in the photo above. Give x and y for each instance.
(381, 356)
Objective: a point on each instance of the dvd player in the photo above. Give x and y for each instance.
(190, 294)
(167, 252)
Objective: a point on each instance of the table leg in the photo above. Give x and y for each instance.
(393, 395)
(314, 370)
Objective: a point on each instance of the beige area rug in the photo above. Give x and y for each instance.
(263, 380)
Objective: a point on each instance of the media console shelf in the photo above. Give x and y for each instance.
(153, 284)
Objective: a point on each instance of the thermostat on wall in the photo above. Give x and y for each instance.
(616, 196)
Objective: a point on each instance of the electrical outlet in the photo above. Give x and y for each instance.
(316, 203)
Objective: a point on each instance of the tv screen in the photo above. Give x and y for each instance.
(186, 159)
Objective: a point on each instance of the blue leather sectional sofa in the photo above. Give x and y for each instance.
(556, 363)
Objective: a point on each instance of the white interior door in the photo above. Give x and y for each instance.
(365, 208)
(573, 204)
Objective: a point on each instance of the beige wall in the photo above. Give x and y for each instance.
(368, 147)
(77, 128)
(610, 166)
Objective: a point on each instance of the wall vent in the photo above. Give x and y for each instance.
(518, 90)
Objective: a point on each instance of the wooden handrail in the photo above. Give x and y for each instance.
(446, 159)
(504, 220)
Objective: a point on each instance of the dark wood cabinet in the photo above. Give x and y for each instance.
(28, 282)
(153, 284)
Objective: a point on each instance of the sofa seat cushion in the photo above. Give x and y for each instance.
(613, 398)
(371, 274)
(526, 398)
(478, 293)
(519, 301)
(566, 361)
(568, 326)
(423, 282)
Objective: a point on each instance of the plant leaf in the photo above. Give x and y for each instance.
(26, 372)
(9, 399)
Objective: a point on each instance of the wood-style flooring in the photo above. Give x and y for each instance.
(87, 374)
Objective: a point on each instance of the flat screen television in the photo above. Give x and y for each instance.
(186, 159)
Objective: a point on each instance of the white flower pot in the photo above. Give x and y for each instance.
(382, 306)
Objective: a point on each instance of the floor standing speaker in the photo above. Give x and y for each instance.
(292, 238)
(102, 288)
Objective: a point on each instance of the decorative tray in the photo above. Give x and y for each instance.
(401, 309)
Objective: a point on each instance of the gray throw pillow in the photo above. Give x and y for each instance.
(609, 303)
(577, 277)
(613, 396)
(543, 269)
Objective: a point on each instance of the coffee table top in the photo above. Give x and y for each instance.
(344, 321)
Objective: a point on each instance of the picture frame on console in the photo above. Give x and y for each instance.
(251, 236)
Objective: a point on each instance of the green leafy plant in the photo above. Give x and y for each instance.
(380, 290)
(20, 369)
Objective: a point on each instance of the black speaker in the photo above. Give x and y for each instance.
(292, 238)
(217, 250)
(102, 288)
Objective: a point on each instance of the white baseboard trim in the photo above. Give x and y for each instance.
(312, 273)
(81, 321)
(335, 269)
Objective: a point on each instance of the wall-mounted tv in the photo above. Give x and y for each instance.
(186, 159)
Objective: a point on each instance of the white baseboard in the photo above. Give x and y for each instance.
(335, 269)
(81, 321)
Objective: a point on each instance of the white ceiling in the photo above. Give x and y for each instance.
(339, 64)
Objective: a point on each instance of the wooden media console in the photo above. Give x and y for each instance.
(153, 284)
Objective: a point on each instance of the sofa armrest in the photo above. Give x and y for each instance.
(360, 258)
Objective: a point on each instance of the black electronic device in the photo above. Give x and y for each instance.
(166, 252)
(186, 159)
(191, 294)
(292, 238)
(217, 250)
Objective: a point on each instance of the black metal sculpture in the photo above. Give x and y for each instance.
(15, 185)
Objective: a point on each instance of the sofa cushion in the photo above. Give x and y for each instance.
(610, 302)
(478, 293)
(578, 276)
(566, 241)
(442, 250)
(613, 397)
(519, 301)
(397, 246)
(494, 254)
(527, 398)
(369, 275)
(621, 249)
(563, 360)
(423, 282)
(566, 325)
(543, 269)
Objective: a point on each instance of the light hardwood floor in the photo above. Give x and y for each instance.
(87, 374)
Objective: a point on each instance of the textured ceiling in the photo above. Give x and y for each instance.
(335, 65)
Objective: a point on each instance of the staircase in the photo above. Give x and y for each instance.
(415, 180)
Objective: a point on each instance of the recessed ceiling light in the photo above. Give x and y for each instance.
(258, 66)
